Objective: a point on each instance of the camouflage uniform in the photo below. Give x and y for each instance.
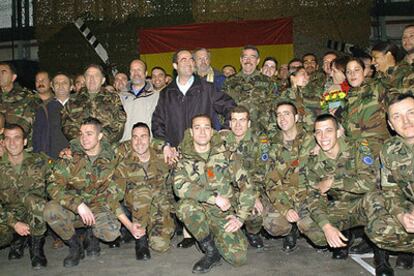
(198, 179)
(18, 106)
(400, 78)
(256, 93)
(281, 171)
(364, 117)
(248, 149)
(80, 180)
(148, 195)
(105, 106)
(397, 196)
(345, 204)
(22, 195)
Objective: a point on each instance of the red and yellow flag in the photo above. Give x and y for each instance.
(224, 40)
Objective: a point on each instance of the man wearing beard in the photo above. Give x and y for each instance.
(42, 83)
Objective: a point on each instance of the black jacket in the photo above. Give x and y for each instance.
(174, 111)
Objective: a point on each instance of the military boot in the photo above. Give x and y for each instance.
(211, 257)
(363, 247)
(289, 242)
(342, 252)
(17, 247)
(254, 239)
(91, 244)
(37, 255)
(405, 261)
(142, 251)
(76, 252)
(382, 265)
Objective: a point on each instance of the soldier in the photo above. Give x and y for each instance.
(252, 89)
(284, 198)
(148, 195)
(120, 82)
(94, 101)
(18, 104)
(339, 181)
(241, 141)
(22, 197)
(394, 229)
(228, 70)
(207, 205)
(310, 63)
(84, 195)
(408, 43)
(43, 86)
(158, 79)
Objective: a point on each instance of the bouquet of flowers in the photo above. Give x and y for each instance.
(335, 97)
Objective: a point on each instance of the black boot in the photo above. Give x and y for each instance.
(17, 247)
(289, 242)
(211, 257)
(92, 244)
(37, 255)
(363, 247)
(382, 265)
(254, 239)
(142, 251)
(186, 242)
(405, 261)
(341, 253)
(76, 252)
(115, 244)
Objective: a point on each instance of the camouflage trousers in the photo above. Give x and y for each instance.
(31, 213)
(153, 211)
(253, 223)
(64, 222)
(274, 222)
(342, 215)
(203, 219)
(385, 230)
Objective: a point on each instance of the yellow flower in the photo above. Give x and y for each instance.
(342, 95)
(327, 98)
(333, 96)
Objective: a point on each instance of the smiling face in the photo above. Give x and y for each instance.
(201, 131)
(185, 64)
(401, 118)
(90, 138)
(249, 61)
(269, 68)
(158, 79)
(14, 141)
(137, 72)
(354, 73)
(61, 86)
(94, 79)
(326, 134)
(140, 140)
(286, 118)
(408, 40)
(239, 124)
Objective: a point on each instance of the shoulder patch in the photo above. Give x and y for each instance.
(368, 160)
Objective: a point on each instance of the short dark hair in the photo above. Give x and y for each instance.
(141, 125)
(11, 126)
(228, 65)
(175, 55)
(92, 121)
(329, 53)
(386, 46)
(326, 117)
(43, 72)
(340, 63)
(310, 54)
(291, 104)
(357, 60)
(271, 59)
(294, 60)
(63, 74)
(158, 68)
(408, 26)
(394, 98)
(96, 66)
(240, 109)
(200, 116)
(10, 65)
(251, 47)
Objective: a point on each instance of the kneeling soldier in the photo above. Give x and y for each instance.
(84, 194)
(22, 197)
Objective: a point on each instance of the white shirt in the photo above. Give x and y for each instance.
(184, 88)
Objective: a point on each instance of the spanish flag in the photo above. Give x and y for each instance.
(223, 39)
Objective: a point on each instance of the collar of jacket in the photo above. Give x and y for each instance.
(248, 77)
(173, 84)
(216, 147)
(343, 147)
(147, 90)
(5, 158)
(278, 138)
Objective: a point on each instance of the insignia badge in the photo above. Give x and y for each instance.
(210, 173)
(265, 156)
(295, 163)
(364, 143)
(368, 160)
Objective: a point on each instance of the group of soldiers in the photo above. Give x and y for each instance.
(307, 151)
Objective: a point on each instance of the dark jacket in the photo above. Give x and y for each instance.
(174, 111)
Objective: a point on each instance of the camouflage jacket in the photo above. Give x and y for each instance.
(397, 175)
(281, 170)
(399, 78)
(19, 105)
(16, 184)
(354, 172)
(79, 180)
(202, 179)
(365, 117)
(131, 173)
(105, 106)
(256, 93)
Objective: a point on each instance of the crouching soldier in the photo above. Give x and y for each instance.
(144, 176)
(22, 197)
(208, 206)
(84, 194)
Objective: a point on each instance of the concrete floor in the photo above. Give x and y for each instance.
(121, 261)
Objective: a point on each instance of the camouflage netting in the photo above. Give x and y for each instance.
(115, 24)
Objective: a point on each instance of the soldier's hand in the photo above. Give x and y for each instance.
(233, 224)
(137, 230)
(86, 214)
(223, 203)
(22, 229)
(407, 221)
(170, 155)
(258, 207)
(292, 216)
(325, 185)
(333, 236)
(65, 153)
